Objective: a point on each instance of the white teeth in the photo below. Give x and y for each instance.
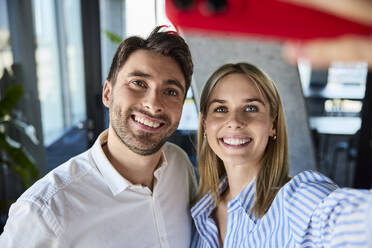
(146, 122)
(235, 142)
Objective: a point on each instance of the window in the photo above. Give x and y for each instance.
(60, 68)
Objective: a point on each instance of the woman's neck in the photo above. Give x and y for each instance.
(239, 176)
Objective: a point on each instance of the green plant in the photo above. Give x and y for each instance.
(114, 38)
(13, 155)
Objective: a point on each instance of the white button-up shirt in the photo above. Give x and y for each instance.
(85, 202)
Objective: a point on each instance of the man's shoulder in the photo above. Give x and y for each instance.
(59, 179)
(170, 148)
(176, 156)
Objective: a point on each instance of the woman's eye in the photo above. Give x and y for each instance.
(251, 109)
(220, 110)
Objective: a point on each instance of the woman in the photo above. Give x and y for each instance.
(245, 197)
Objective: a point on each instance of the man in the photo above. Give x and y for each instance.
(131, 189)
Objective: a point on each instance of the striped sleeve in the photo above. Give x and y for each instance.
(302, 195)
(343, 219)
(195, 237)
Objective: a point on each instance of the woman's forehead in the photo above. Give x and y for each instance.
(236, 85)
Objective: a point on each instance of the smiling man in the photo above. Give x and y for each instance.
(131, 189)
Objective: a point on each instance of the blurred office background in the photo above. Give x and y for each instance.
(63, 55)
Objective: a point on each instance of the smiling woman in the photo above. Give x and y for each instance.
(234, 103)
(245, 196)
(244, 88)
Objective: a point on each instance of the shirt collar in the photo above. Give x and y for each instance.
(162, 166)
(112, 178)
(205, 205)
(245, 199)
(116, 182)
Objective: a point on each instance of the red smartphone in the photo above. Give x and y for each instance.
(264, 18)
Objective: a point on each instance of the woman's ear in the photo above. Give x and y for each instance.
(106, 93)
(273, 128)
(202, 121)
(273, 132)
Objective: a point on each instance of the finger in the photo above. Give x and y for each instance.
(356, 10)
(322, 52)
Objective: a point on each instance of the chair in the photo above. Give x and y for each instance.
(350, 147)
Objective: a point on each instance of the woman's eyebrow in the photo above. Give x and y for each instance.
(248, 100)
(254, 100)
(217, 101)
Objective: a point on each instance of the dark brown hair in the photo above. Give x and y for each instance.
(167, 43)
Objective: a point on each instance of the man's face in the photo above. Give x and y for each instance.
(146, 101)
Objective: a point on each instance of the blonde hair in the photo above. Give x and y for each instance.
(274, 168)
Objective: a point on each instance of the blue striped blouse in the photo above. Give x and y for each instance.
(309, 211)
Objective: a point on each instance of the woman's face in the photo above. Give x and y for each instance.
(238, 122)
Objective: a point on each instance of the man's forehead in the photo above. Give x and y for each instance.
(151, 64)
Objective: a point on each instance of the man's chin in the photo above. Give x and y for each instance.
(143, 143)
(144, 147)
(145, 151)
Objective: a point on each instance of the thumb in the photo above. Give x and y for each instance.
(322, 52)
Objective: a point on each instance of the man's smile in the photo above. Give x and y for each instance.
(147, 123)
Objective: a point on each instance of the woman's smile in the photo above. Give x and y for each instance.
(235, 141)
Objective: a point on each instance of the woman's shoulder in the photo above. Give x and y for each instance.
(308, 187)
(302, 195)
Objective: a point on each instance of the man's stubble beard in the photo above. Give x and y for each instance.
(142, 143)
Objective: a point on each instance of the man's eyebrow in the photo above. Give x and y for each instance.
(139, 74)
(177, 84)
(174, 82)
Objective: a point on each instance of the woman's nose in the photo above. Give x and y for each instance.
(235, 120)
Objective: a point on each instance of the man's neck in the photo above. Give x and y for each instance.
(136, 168)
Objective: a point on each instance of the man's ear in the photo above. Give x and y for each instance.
(106, 93)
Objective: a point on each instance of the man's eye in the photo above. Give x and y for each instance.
(251, 109)
(171, 92)
(220, 110)
(139, 83)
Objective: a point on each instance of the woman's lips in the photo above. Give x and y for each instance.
(235, 141)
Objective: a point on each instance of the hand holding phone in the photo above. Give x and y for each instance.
(322, 52)
(265, 18)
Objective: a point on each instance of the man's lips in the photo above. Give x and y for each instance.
(147, 122)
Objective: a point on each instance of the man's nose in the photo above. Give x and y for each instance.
(153, 102)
